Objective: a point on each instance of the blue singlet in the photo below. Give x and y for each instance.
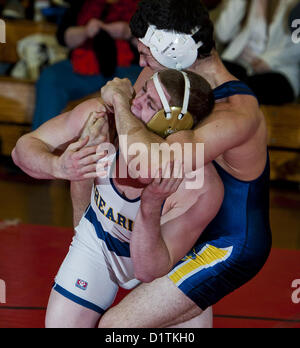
(236, 244)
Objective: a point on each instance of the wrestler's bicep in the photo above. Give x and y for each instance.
(220, 132)
(181, 228)
(66, 128)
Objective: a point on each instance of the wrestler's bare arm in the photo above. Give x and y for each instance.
(159, 241)
(223, 131)
(226, 128)
(53, 151)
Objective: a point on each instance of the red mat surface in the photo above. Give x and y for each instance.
(30, 257)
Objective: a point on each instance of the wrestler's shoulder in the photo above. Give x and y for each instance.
(84, 109)
(91, 105)
(238, 106)
(77, 117)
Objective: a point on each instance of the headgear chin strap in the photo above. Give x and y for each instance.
(171, 119)
(171, 49)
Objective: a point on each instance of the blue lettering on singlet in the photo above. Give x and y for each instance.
(113, 244)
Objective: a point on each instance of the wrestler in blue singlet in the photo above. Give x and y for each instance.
(231, 250)
(236, 244)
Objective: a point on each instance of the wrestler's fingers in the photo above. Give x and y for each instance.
(79, 144)
(176, 176)
(168, 173)
(84, 152)
(92, 175)
(178, 169)
(105, 126)
(95, 168)
(160, 176)
(97, 140)
(129, 84)
(95, 119)
(105, 163)
(92, 168)
(90, 121)
(103, 170)
(101, 125)
(94, 158)
(109, 108)
(102, 114)
(95, 127)
(101, 108)
(157, 177)
(175, 185)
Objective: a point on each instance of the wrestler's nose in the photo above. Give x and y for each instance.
(136, 102)
(143, 61)
(139, 99)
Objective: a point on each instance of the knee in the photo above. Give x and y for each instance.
(105, 322)
(109, 320)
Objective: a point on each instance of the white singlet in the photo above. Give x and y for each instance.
(99, 261)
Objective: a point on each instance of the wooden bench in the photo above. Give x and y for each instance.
(17, 97)
(284, 141)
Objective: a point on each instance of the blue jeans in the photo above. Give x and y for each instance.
(58, 84)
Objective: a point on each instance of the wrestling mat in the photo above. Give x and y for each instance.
(30, 257)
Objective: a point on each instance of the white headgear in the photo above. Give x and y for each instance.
(171, 49)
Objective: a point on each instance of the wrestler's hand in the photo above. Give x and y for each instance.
(78, 162)
(116, 91)
(96, 128)
(80, 159)
(166, 183)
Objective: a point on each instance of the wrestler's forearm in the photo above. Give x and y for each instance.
(132, 131)
(149, 253)
(35, 159)
(154, 147)
(127, 124)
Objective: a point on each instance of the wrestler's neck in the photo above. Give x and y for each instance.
(213, 70)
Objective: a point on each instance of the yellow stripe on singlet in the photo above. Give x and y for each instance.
(207, 257)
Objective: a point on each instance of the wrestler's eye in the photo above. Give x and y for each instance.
(151, 107)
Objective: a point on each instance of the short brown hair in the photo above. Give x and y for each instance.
(202, 99)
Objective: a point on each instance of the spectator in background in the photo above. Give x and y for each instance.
(260, 51)
(98, 35)
(211, 4)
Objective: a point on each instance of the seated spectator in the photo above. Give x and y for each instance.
(260, 51)
(98, 35)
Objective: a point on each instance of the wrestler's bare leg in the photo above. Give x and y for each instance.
(64, 313)
(159, 304)
(203, 321)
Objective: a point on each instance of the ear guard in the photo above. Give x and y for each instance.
(171, 49)
(171, 119)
